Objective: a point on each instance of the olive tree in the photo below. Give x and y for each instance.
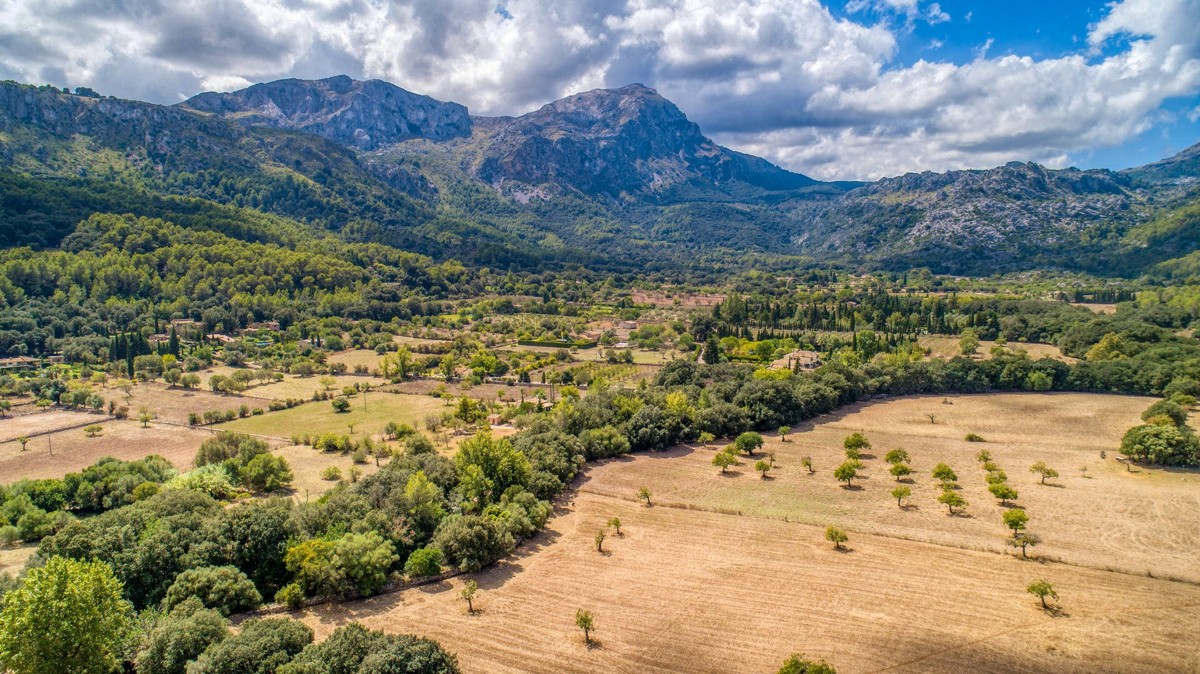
(901, 493)
(897, 456)
(836, 536)
(846, 472)
(952, 500)
(1042, 469)
(900, 470)
(1042, 589)
(945, 474)
(585, 622)
(470, 588)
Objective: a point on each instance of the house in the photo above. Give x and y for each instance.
(805, 360)
(494, 420)
(18, 363)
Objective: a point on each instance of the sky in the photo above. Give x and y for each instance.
(835, 89)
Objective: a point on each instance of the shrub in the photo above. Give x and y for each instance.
(470, 542)
(331, 473)
(180, 637)
(291, 596)
(973, 437)
(261, 647)
(424, 562)
(266, 472)
(340, 404)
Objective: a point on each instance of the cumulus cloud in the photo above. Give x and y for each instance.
(785, 79)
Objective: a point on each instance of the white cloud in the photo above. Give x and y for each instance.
(785, 79)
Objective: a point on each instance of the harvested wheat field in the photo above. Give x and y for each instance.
(694, 586)
(73, 450)
(304, 387)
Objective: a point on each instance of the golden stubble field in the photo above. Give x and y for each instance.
(693, 588)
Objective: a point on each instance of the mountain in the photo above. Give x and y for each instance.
(1182, 169)
(614, 179)
(617, 141)
(363, 115)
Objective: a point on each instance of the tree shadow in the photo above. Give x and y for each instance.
(1052, 484)
(910, 506)
(767, 478)
(1055, 611)
(844, 550)
(852, 487)
(730, 473)
(962, 514)
(594, 644)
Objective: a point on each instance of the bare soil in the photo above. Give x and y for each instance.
(74, 451)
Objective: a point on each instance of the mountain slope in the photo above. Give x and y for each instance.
(1182, 169)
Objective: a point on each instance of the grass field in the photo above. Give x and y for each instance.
(319, 417)
(74, 451)
(640, 357)
(947, 347)
(693, 586)
(307, 464)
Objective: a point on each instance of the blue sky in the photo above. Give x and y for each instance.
(836, 89)
(1042, 29)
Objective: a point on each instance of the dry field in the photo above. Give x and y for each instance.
(1107, 518)
(304, 387)
(29, 425)
(319, 417)
(1098, 308)
(947, 347)
(74, 451)
(12, 560)
(173, 404)
(693, 586)
(700, 592)
(355, 357)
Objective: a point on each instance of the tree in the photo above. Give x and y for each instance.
(1015, 519)
(807, 463)
(762, 467)
(1023, 540)
(900, 470)
(952, 500)
(983, 456)
(783, 433)
(145, 417)
(836, 536)
(471, 542)
(224, 589)
(266, 472)
(724, 460)
(748, 442)
(1042, 589)
(470, 588)
(327, 382)
(897, 456)
(901, 493)
(798, 664)
(968, 343)
(853, 453)
(705, 438)
(93, 430)
(943, 473)
(24, 440)
(644, 495)
(340, 404)
(600, 536)
(1003, 491)
(68, 616)
(615, 523)
(856, 441)
(846, 472)
(584, 621)
(1042, 469)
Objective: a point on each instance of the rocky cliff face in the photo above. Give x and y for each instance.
(364, 115)
(614, 141)
(1181, 170)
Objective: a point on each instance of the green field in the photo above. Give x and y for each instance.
(319, 417)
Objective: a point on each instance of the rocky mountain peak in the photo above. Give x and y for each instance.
(363, 114)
